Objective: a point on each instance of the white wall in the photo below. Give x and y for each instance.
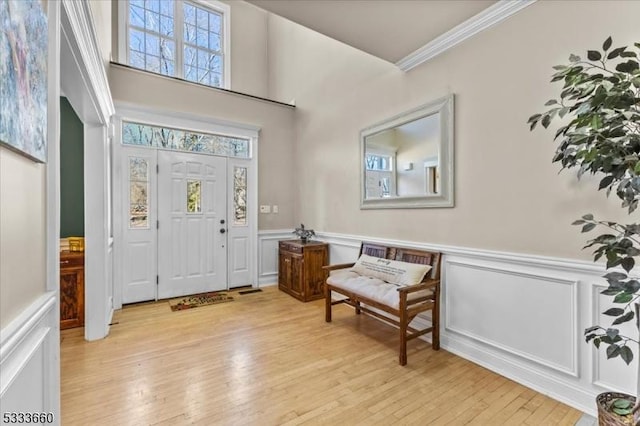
(508, 195)
(517, 289)
(23, 231)
(101, 11)
(29, 235)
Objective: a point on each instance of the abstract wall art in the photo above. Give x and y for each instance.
(23, 77)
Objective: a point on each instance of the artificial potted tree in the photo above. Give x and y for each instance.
(599, 109)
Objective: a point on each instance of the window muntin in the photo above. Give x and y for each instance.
(183, 140)
(178, 38)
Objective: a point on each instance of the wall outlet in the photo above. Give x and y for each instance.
(265, 209)
(275, 208)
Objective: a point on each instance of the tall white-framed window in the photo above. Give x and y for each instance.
(187, 39)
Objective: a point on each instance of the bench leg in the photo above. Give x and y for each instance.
(404, 322)
(327, 303)
(358, 308)
(435, 321)
(403, 338)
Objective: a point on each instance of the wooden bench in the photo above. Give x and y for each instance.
(412, 300)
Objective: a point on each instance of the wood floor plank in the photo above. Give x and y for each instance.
(268, 359)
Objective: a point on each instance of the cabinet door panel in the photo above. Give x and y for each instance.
(315, 275)
(71, 298)
(297, 274)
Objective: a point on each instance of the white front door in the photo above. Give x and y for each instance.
(192, 213)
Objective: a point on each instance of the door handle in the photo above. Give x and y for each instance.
(222, 231)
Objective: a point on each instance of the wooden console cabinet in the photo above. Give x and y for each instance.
(300, 272)
(71, 289)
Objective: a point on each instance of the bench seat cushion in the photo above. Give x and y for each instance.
(371, 288)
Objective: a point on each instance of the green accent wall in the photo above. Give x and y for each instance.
(71, 172)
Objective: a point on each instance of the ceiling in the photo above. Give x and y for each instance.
(388, 29)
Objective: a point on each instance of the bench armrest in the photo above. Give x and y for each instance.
(329, 268)
(427, 284)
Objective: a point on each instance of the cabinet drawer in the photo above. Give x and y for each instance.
(68, 260)
(293, 248)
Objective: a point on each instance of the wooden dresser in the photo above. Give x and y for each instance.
(300, 272)
(71, 289)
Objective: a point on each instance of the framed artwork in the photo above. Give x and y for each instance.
(23, 77)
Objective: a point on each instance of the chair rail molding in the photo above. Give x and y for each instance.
(472, 26)
(533, 311)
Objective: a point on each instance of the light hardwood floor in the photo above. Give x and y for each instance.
(268, 359)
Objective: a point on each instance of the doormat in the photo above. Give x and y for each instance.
(255, 290)
(202, 299)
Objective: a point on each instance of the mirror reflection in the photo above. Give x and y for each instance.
(403, 161)
(407, 160)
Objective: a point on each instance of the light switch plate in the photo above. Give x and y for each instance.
(275, 208)
(265, 209)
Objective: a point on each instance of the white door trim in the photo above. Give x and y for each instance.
(84, 81)
(194, 122)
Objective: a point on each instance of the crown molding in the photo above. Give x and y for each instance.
(472, 26)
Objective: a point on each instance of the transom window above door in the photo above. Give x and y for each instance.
(184, 140)
(177, 38)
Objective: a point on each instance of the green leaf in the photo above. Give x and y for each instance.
(626, 317)
(623, 297)
(627, 354)
(551, 102)
(588, 216)
(594, 55)
(621, 402)
(578, 222)
(614, 312)
(546, 120)
(628, 263)
(615, 52)
(606, 181)
(615, 276)
(596, 342)
(622, 412)
(564, 110)
(574, 58)
(588, 227)
(628, 55)
(591, 329)
(613, 351)
(629, 66)
(607, 44)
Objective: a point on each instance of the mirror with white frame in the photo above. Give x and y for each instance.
(407, 160)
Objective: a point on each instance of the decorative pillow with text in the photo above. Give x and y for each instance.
(391, 271)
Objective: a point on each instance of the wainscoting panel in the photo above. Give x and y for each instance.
(28, 359)
(268, 254)
(519, 315)
(514, 311)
